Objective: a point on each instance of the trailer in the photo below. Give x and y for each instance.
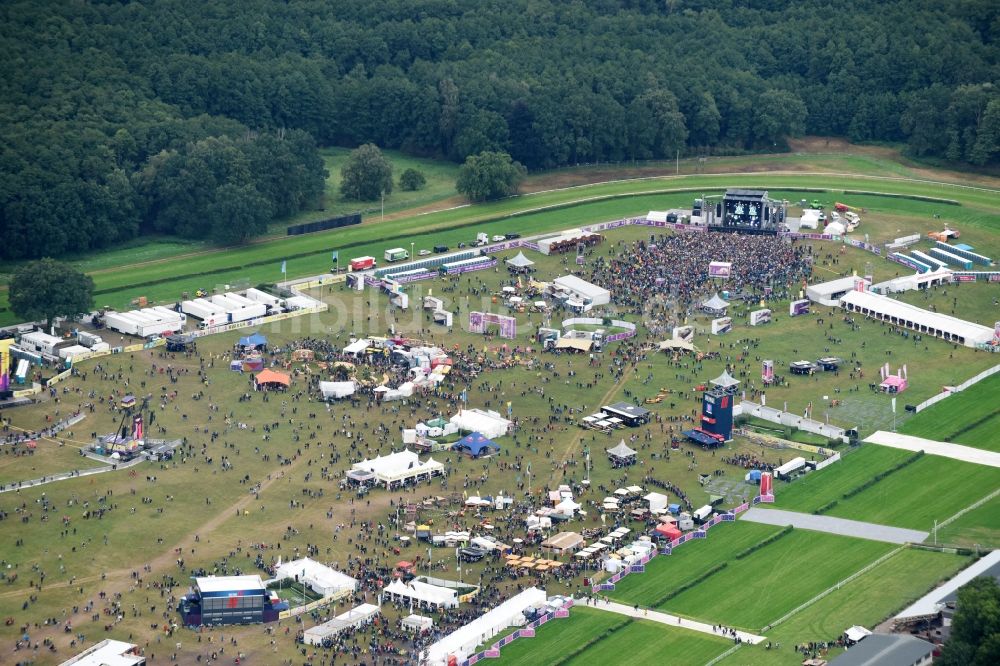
(396, 254)
(141, 324)
(259, 296)
(209, 313)
(703, 514)
(168, 313)
(122, 322)
(362, 263)
(239, 311)
(40, 342)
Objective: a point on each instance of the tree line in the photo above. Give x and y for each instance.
(106, 103)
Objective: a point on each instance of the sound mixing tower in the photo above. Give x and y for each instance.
(717, 407)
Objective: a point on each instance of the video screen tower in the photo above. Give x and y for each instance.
(746, 212)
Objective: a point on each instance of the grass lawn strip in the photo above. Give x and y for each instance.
(751, 592)
(933, 488)
(665, 573)
(557, 637)
(969, 417)
(643, 642)
(867, 600)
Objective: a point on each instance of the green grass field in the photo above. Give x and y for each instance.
(971, 417)
(979, 527)
(867, 601)
(762, 587)
(809, 493)
(145, 521)
(644, 642)
(440, 175)
(933, 488)
(557, 637)
(669, 572)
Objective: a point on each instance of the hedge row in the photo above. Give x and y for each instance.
(760, 544)
(881, 475)
(687, 586)
(829, 506)
(578, 650)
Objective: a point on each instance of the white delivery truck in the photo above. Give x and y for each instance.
(703, 514)
(396, 254)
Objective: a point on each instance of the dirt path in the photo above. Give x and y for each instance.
(169, 557)
(579, 436)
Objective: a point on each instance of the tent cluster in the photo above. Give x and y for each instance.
(395, 469)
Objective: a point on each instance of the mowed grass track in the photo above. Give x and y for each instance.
(644, 642)
(760, 588)
(817, 489)
(971, 417)
(557, 637)
(669, 572)
(867, 601)
(120, 284)
(979, 527)
(932, 488)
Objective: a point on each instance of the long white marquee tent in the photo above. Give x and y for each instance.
(464, 640)
(917, 319)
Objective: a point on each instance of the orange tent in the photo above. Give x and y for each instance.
(268, 376)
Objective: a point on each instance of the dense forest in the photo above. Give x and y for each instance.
(201, 117)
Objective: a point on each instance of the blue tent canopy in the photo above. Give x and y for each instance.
(753, 476)
(253, 340)
(475, 444)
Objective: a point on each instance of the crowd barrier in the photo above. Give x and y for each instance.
(493, 652)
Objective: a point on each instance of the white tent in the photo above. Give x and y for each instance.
(461, 642)
(396, 468)
(567, 507)
(352, 619)
(417, 623)
(584, 292)
(809, 219)
(337, 390)
(520, 261)
(487, 423)
(657, 501)
(421, 594)
(835, 229)
(319, 577)
(621, 451)
(357, 347)
(715, 304)
(725, 380)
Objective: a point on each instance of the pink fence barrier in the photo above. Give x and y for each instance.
(493, 652)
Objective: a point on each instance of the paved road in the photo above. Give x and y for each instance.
(671, 620)
(831, 525)
(946, 449)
